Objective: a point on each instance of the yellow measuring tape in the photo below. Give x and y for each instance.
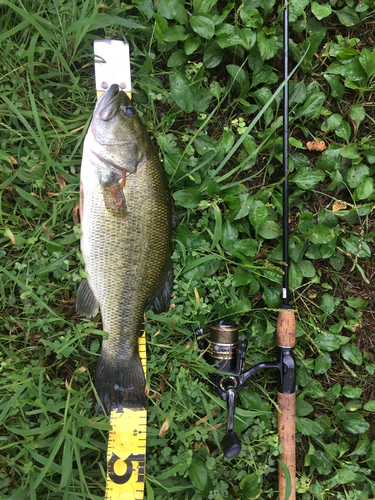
(126, 454)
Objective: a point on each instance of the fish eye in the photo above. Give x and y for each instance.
(127, 110)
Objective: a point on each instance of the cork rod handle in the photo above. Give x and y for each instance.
(285, 337)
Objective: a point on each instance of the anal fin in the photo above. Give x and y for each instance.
(86, 303)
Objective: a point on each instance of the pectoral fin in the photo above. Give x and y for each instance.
(86, 304)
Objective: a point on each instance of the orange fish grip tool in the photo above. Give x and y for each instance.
(126, 454)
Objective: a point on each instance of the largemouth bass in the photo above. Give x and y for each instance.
(126, 221)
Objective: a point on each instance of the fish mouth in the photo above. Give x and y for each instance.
(107, 162)
(110, 103)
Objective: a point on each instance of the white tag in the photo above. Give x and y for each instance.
(112, 64)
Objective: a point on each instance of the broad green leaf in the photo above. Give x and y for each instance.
(312, 106)
(313, 252)
(228, 36)
(314, 389)
(351, 353)
(327, 218)
(365, 189)
(320, 11)
(202, 99)
(270, 230)
(350, 151)
(355, 175)
(357, 302)
(352, 245)
(242, 277)
(187, 198)
(271, 296)
(267, 45)
(251, 485)
(219, 18)
(251, 17)
(229, 236)
(175, 34)
(213, 55)
(308, 427)
(247, 246)
(333, 392)
(146, 7)
(333, 122)
(298, 93)
(307, 268)
(177, 58)
(258, 214)
(357, 112)
(330, 159)
(370, 456)
(322, 461)
(203, 6)
(351, 392)
(322, 363)
(362, 445)
(307, 178)
(191, 44)
(355, 423)
(167, 8)
(237, 73)
(351, 70)
(182, 92)
(337, 260)
(296, 9)
(295, 276)
(344, 131)
(198, 473)
(203, 26)
(328, 249)
(161, 26)
(342, 476)
(369, 406)
(320, 235)
(347, 16)
(303, 408)
(235, 306)
(328, 341)
(337, 88)
(215, 89)
(227, 141)
(367, 61)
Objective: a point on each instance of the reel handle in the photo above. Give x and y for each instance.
(231, 442)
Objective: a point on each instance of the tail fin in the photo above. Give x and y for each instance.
(120, 384)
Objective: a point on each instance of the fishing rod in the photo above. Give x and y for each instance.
(227, 354)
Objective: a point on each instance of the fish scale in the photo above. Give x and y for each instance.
(127, 254)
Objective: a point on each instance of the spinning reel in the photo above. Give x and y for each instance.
(227, 354)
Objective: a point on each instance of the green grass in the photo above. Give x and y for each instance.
(207, 81)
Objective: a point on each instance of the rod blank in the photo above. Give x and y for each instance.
(286, 327)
